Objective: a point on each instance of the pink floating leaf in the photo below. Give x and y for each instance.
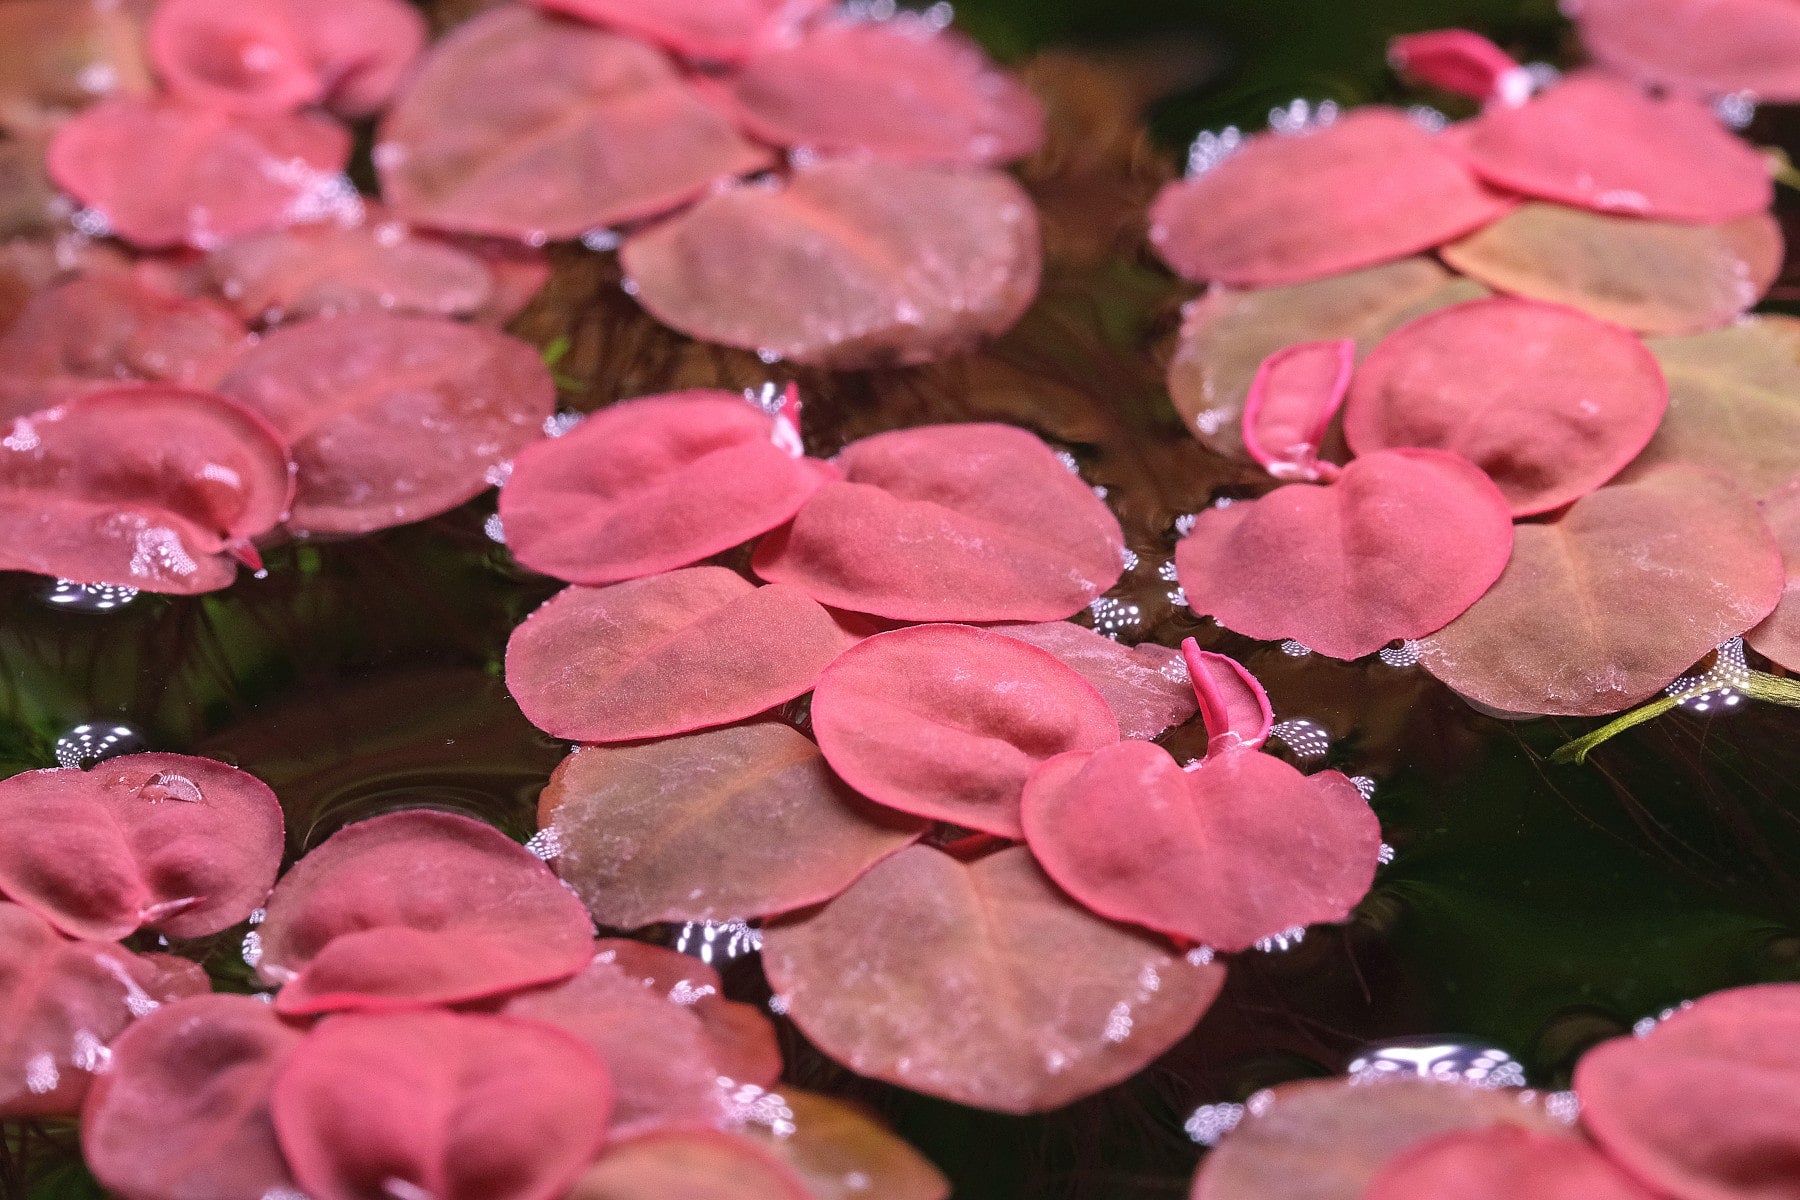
(1378, 187)
(1402, 542)
(653, 484)
(894, 89)
(1235, 851)
(145, 486)
(364, 50)
(183, 1109)
(1296, 392)
(741, 1039)
(453, 1106)
(842, 1153)
(667, 654)
(1597, 142)
(703, 826)
(1462, 62)
(1549, 402)
(1233, 704)
(1704, 47)
(1778, 637)
(707, 30)
(163, 174)
(689, 1164)
(393, 419)
(846, 263)
(526, 126)
(246, 57)
(100, 331)
(1504, 1162)
(1705, 1106)
(948, 721)
(950, 523)
(1146, 685)
(982, 983)
(415, 908)
(61, 1002)
(184, 845)
(1614, 599)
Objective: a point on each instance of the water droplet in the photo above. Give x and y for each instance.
(1211, 1122)
(1385, 855)
(718, 941)
(170, 786)
(561, 423)
(1365, 785)
(1722, 683)
(1306, 739)
(90, 743)
(546, 843)
(69, 596)
(495, 529)
(1406, 654)
(1210, 149)
(601, 240)
(1447, 1060)
(252, 949)
(1278, 943)
(1294, 649)
(1116, 618)
(1563, 1106)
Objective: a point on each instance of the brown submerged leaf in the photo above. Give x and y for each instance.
(843, 1154)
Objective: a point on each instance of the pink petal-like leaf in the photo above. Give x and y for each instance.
(1548, 401)
(707, 30)
(689, 1164)
(183, 1109)
(1778, 637)
(364, 49)
(741, 1038)
(414, 908)
(452, 1106)
(533, 127)
(1289, 406)
(1402, 542)
(1378, 187)
(667, 654)
(1704, 47)
(393, 419)
(1614, 599)
(950, 523)
(1145, 685)
(247, 57)
(842, 1153)
(1503, 1163)
(1233, 705)
(1459, 61)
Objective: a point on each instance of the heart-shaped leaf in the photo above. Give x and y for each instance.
(895, 89)
(1462, 62)
(414, 908)
(183, 1108)
(668, 654)
(1610, 602)
(841, 1153)
(365, 50)
(1594, 141)
(1378, 187)
(1146, 685)
(59, 56)
(453, 1106)
(654, 484)
(184, 845)
(1652, 276)
(1778, 637)
(527, 126)
(393, 419)
(1705, 1105)
(1227, 334)
(1233, 705)
(710, 31)
(948, 721)
(1549, 402)
(703, 826)
(1707, 47)
(1289, 407)
(950, 523)
(742, 1038)
(692, 1164)
(846, 263)
(163, 174)
(1503, 1162)
(1399, 544)
(1050, 1002)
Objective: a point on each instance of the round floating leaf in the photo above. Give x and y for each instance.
(982, 983)
(1549, 402)
(704, 826)
(948, 721)
(1651, 276)
(1327, 1139)
(1778, 637)
(950, 523)
(742, 1038)
(364, 49)
(691, 1164)
(1240, 849)
(527, 126)
(163, 174)
(1233, 705)
(842, 1154)
(1610, 602)
(63, 1002)
(1706, 1106)
(1227, 334)
(1289, 407)
(846, 263)
(1378, 187)
(1503, 1163)
(707, 30)
(1458, 61)
(1597, 142)
(183, 1109)
(458, 1107)
(1402, 542)
(1146, 685)
(393, 419)
(1709, 47)
(668, 654)
(184, 845)
(654, 484)
(895, 89)
(101, 331)
(414, 908)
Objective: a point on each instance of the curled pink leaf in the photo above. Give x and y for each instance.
(1146, 685)
(1703, 47)
(1504, 1162)
(711, 31)
(1459, 61)
(1289, 407)
(1233, 704)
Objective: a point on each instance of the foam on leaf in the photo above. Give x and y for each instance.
(707, 30)
(1296, 392)
(1504, 1162)
(950, 523)
(842, 1153)
(393, 419)
(1611, 601)
(1705, 47)
(414, 908)
(1146, 685)
(982, 983)
(667, 654)
(1778, 637)
(1548, 401)
(692, 1164)
(1402, 542)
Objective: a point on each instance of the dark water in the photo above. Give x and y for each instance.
(1534, 907)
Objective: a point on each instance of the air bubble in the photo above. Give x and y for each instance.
(718, 941)
(1445, 1060)
(90, 743)
(1306, 739)
(1211, 1122)
(69, 596)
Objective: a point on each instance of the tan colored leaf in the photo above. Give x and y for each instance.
(843, 1154)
